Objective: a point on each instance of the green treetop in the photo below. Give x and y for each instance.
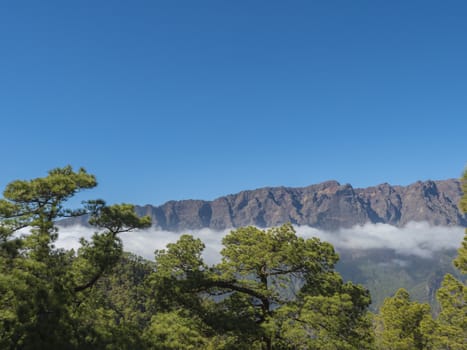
(41, 287)
(272, 290)
(451, 331)
(402, 324)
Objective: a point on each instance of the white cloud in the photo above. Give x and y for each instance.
(145, 242)
(418, 239)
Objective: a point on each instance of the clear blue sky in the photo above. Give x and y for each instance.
(196, 99)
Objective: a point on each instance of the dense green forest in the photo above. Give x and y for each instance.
(271, 289)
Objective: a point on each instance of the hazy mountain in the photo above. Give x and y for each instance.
(384, 271)
(328, 206)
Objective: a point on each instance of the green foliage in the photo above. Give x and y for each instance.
(44, 291)
(323, 322)
(173, 330)
(451, 324)
(117, 218)
(181, 259)
(401, 323)
(112, 314)
(272, 289)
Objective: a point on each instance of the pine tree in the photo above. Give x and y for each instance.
(43, 290)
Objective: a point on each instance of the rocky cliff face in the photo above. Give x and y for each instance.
(328, 206)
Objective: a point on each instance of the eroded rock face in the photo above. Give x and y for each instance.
(328, 205)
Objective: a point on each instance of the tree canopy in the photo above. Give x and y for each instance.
(42, 288)
(271, 288)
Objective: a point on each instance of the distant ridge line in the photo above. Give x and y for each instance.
(327, 205)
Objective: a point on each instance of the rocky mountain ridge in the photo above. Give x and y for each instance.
(328, 205)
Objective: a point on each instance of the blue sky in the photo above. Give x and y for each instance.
(196, 99)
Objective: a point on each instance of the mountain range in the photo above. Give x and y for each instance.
(328, 206)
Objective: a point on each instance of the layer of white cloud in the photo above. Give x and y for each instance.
(418, 239)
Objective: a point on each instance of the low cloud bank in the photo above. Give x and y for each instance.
(416, 238)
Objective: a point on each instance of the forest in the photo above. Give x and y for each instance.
(271, 290)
